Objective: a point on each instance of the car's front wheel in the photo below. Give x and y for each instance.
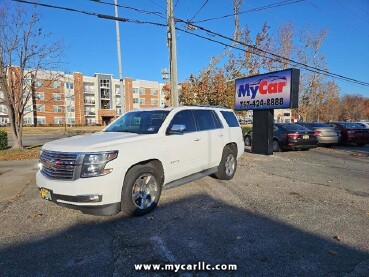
(228, 164)
(141, 190)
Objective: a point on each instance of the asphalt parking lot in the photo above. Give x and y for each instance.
(296, 213)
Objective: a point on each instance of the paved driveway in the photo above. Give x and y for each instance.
(291, 214)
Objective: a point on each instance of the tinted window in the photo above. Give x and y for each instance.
(204, 119)
(231, 119)
(349, 125)
(294, 127)
(184, 118)
(218, 123)
(318, 125)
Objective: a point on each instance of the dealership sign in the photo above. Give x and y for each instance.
(275, 90)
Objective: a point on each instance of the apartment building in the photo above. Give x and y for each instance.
(76, 99)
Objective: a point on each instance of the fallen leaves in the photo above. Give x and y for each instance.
(18, 155)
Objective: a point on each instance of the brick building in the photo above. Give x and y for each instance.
(87, 100)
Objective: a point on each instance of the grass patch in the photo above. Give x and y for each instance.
(56, 130)
(28, 153)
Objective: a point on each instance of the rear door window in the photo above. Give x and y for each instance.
(205, 120)
(230, 118)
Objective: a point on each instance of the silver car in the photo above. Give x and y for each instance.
(325, 134)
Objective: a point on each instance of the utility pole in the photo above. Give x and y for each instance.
(172, 54)
(122, 95)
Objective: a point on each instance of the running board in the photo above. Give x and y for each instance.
(191, 178)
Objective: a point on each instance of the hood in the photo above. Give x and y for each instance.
(90, 142)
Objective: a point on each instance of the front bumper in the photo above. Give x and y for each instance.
(97, 195)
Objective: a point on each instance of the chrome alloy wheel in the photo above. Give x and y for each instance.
(144, 191)
(230, 165)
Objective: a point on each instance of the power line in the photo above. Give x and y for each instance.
(203, 5)
(274, 57)
(266, 52)
(275, 5)
(160, 14)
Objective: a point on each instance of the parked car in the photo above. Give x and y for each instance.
(325, 134)
(365, 124)
(352, 132)
(288, 136)
(125, 167)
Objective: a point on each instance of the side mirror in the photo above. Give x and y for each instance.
(177, 129)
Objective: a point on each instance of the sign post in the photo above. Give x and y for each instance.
(262, 94)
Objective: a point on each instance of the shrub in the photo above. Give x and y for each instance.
(3, 140)
(246, 129)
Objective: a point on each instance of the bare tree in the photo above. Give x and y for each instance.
(25, 52)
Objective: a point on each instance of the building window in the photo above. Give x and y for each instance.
(88, 87)
(71, 121)
(3, 109)
(58, 120)
(70, 109)
(136, 90)
(28, 108)
(142, 91)
(40, 108)
(153, 102)
(135, 100)
(57, 108)
(38, 84)
(28, 121)
(41, 121)
(56, 84)
(118, 111)
(142, 101)
(69, 85)
(40, 96)
(57, 96)
(153, 92)
(105, 83)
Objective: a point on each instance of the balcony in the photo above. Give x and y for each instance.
(89, 113)
(88, 91)
(89, 102)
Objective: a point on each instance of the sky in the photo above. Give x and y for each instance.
(91, 41)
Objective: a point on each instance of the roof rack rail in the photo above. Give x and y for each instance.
(207, 106)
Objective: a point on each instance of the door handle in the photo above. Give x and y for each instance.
(197, 139)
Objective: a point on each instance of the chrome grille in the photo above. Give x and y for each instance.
(58, 165)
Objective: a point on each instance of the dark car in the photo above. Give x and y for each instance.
(325, 133)
(289, 136)
(351, 132)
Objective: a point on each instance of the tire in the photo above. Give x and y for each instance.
(228, 165)
(141, 189)
(276, 146)
(305, 149)
(247, 141)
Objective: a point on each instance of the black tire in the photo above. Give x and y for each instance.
(305, 149)
(139, 181)
(247, 141)
(228, 165)
(276, 146)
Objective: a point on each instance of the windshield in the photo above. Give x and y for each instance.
(349, 125)
(140, 122)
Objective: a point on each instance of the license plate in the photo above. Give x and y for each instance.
(45, 194)
(305, 136)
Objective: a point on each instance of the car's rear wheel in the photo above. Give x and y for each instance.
(228, 164)
(141, 190)
(276, 146)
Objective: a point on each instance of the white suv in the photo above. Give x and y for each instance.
(124, 167)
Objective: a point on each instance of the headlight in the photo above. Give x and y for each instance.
(94, 164)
